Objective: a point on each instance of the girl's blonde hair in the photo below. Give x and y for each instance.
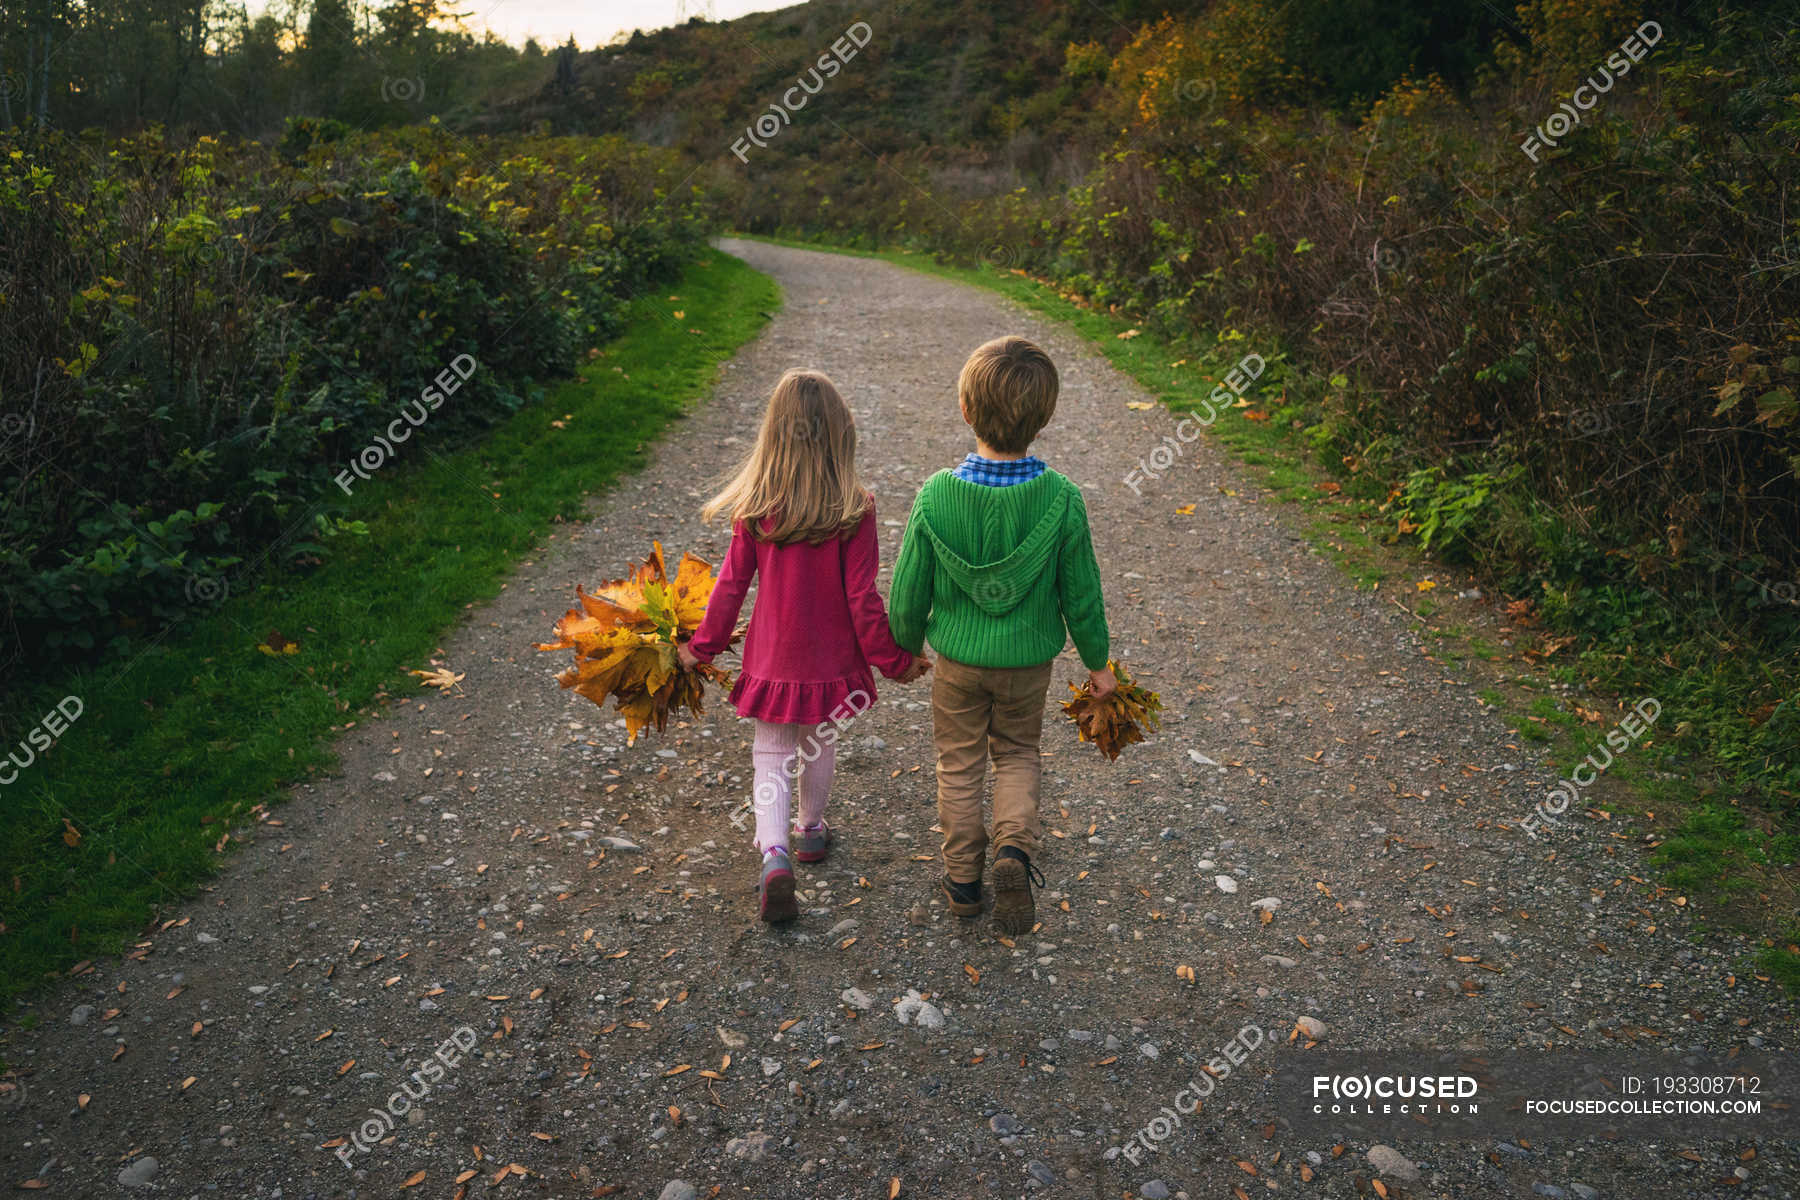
(800, 478)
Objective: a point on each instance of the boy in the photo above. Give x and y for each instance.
(996, 564)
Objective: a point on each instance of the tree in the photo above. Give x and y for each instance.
(330, 41)
(564, 81)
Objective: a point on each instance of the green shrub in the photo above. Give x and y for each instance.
(196, 340)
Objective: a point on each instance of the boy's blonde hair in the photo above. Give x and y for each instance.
(1008, 392)
(801, 475)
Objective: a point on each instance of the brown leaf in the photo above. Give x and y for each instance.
(894, 1188)
(413, 1180)
(1117, 720)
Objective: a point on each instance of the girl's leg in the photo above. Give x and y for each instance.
(772, 753)
(815, 781)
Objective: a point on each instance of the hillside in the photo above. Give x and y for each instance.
(985, 86)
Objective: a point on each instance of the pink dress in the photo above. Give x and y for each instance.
(817, 626)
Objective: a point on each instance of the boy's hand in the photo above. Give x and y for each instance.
(1103, 681)
(919, 665)
(689, 660)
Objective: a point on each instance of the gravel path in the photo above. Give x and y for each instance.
(495, 860)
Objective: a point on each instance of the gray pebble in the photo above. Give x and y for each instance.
(1391, 1164)
(138, 1173)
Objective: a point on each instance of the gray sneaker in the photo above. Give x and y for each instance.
(775, 891)
(812, 845)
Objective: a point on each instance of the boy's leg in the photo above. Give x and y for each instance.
(960, 709)
(1015, 733)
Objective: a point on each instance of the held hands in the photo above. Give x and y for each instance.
(1103, 681)
(919, 665)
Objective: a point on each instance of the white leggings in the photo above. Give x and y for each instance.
(781, 753)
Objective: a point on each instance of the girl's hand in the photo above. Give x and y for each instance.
(689, 660)
(1103, 681)
(919, 665)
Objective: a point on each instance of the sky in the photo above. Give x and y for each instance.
(594, 22)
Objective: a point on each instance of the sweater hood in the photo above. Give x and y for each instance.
(996, 587)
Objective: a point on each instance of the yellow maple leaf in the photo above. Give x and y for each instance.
(625, 636)
(438, 677)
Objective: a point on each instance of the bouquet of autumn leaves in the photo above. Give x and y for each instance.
(1116, 720)
(624, 637)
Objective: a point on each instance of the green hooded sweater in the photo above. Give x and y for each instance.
(992, 576)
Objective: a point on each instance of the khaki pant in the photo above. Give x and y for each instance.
(977, 712)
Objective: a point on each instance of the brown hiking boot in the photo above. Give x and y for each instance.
(964, 899)
(1014, 877)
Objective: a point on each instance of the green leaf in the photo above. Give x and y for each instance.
(1728, 397)
(1777, 407)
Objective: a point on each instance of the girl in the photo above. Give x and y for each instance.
(802, 521)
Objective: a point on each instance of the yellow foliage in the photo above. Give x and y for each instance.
(624, 637)
(1229, 56)
(1571, 34)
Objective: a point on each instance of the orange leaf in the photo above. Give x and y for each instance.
(1118, 720)
(624, 637)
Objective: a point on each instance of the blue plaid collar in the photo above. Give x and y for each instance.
(999, 473)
